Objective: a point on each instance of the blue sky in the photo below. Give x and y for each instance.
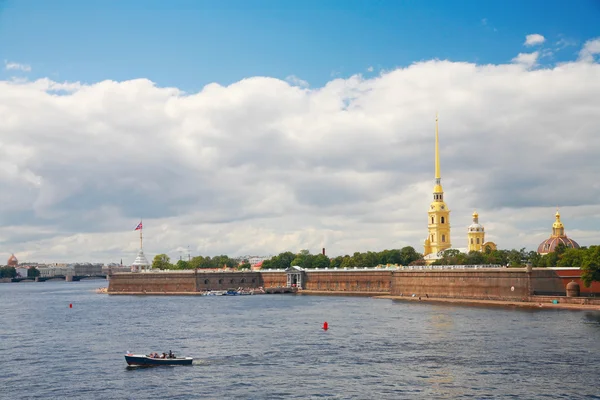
(188, 44)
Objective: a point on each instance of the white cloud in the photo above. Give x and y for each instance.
(534, 39)
(370, 69)
(262, 166)
(527, 59)
(295, 81)
(565, 42)
(13, 66)
(590, 49)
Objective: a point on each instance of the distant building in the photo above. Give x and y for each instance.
(12, 261)
(476, 236)
(558, 237)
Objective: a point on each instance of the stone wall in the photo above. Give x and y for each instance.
(547, 282)
(485, 284)
(273, 278)
(156, 282)
(228, 280)
(491, 284)
(568, 275)
(372, 281)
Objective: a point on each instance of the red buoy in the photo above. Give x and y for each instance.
(70, 305)
(325, 326)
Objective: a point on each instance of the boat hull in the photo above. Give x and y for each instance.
(143, 360)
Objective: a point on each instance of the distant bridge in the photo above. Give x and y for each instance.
(67, 278)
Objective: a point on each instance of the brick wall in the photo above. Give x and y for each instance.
(152, 282)
(349, 281)
(500, 284)
(228, 280)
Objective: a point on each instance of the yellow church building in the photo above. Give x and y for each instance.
(476, 236)
(438, 238)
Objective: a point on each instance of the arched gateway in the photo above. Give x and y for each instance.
(295, 277)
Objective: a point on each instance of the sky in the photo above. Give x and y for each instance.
(256, 127)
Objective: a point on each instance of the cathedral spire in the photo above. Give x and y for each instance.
(437, 153)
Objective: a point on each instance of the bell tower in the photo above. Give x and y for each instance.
(438, 216)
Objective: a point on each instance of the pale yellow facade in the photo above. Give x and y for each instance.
(475, 235)
(438, 238)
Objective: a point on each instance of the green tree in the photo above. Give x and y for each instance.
(33, 272)
(303, 259)
(348, 262)
(336, 262)
(408, 254)
(571, 258)
(161, 261)
(182, 264)
(196, 262)
(8, 272)
(590, 268)
(321, 261)
(245, 265)
(474, 258)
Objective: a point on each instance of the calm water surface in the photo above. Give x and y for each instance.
(273, 347)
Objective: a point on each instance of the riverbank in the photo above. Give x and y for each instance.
(497, 303)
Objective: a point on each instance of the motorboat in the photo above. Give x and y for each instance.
(144, 360)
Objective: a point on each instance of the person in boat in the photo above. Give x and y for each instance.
(164, 355)
(171, 355)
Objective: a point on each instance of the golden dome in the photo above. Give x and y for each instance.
(438, 189)
(557, 223)
(475, 215)
(558, 237)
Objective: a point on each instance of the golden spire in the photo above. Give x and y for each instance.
(437, 153)
(437, 190)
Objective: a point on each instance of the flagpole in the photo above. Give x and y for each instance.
(141, 228)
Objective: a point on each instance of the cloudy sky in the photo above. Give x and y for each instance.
(257, 127)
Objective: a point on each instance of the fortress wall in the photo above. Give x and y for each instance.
(377, 282)
(227, 280)
(273, 278)
(191, 282)
(568, 275)
(488, 284)
(155, 282)
(547, 282)
(491, 284)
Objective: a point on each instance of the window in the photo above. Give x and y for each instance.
(477, 240)
(471, 240)
(432, 220)
(206, 281)
(432, 238)
(443, 238)
(442, 220)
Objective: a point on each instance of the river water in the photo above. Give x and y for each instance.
(274, 347)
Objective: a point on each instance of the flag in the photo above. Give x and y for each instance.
(138, 227)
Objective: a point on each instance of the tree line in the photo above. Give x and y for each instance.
(163, 261)
(405, 256)
(11, 272)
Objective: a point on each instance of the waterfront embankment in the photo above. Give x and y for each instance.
(533, 302)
